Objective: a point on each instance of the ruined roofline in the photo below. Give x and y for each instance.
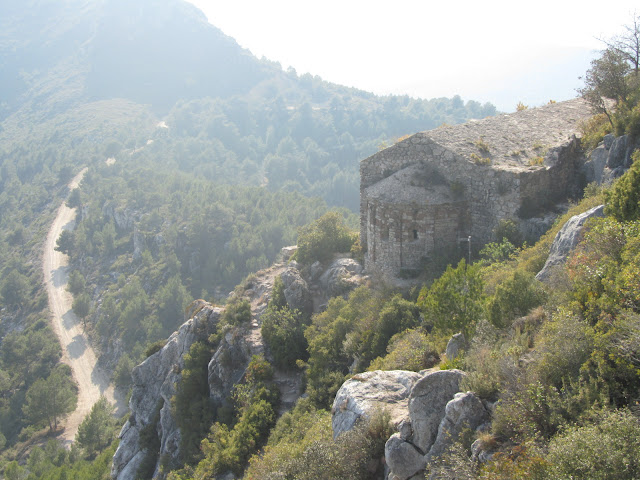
(516, 141)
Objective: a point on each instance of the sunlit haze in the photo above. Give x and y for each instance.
(496, 51)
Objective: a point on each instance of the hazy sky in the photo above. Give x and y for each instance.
(498, 51)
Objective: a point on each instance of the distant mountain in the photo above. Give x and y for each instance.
(105, 72)
(149, 51)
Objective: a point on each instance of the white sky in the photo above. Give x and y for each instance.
(498, 51)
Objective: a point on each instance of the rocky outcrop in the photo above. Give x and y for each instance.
(403, 459)
(227, 366)
(427, 411)
(123, 218)
(427, 403)
(610, 159)
(342, 276)
(566, 240)
(154, 383)
(455, 346)
(363, 394)
(296, 291)
(465, 411)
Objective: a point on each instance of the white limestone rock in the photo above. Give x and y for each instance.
(362, 394)
(153, 386)
(427, 403)
(227, 366)
(464, 411)
(455, 346)
(566, 240)
(403, 459)
(296, 291)
(342, 276)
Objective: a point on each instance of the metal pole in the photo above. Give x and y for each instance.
(469, 240)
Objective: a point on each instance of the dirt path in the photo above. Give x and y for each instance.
(76, 350)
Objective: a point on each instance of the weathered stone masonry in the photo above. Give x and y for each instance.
(429, 191)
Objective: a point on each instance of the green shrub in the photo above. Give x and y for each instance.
(508, 229)
(122, 373)
(228, 448)
(311, 453)
(453, 303)
(278, 299)
(479, 160)
(484, 372)
(609, 449)
(322, 238)
(529, 410)
(592, 189)
(283, 331)
(155, 347)
(237, 311)
(412, 350)
(498, 252)
(482, 145)
(515, 297)
(593, 131)
(563, 345)
(191, 405)
(623, 199)
(520, 462)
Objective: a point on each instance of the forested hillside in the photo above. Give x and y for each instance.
(211, 157)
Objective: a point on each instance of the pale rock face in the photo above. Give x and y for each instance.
(124, 219)
(296, 291)
(403, 459)
(286, 252)
(342, 276)
(227, 366)
(566, 240)
(361, 395)
(427, 412)
(455, 345)
(464, 411)
(153, 386)
(427, 403)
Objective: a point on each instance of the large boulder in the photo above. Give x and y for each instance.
(455, 346)
(610, 159)
(407, 452)
(364, 393)
(593, 168)
(464, 411)
(427, 411)
(403, 459)
(618, 152)
(154, 382)
(296, 291)
(342, 276)
(427, 403)
(566, 240)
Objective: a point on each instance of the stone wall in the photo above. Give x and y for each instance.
(513, 184)
(485, 196)
(405, 235)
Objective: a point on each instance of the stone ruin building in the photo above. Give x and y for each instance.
(429, 193)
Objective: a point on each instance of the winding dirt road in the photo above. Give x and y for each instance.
(76, 350)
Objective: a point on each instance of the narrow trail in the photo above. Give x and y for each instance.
(289, 382)
(76, 350)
